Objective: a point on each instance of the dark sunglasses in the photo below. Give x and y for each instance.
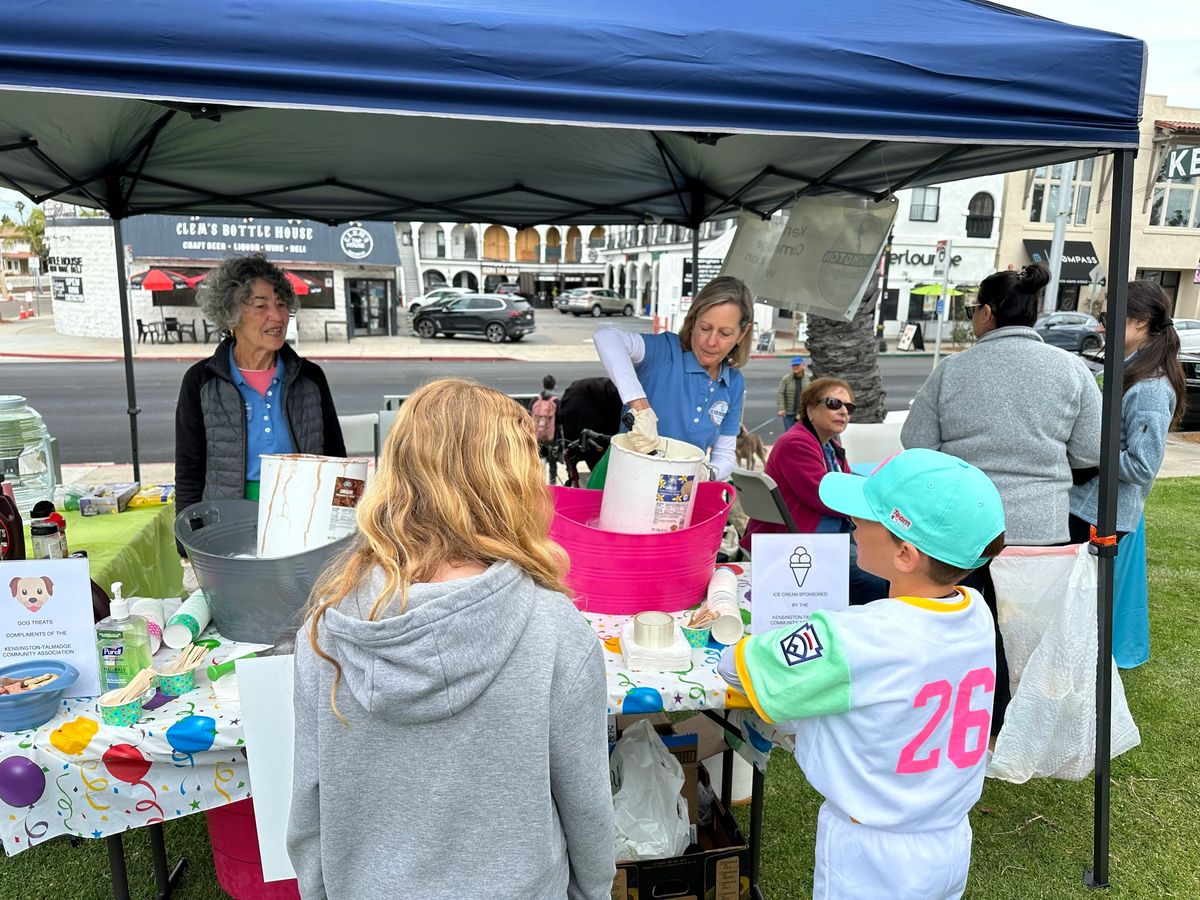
(970, 309)
(835, 404)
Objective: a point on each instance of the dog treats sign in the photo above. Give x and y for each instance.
(46, 613)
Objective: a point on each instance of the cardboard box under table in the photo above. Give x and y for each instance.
(718, 868)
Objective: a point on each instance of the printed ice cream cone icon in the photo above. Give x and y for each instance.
(800, 562)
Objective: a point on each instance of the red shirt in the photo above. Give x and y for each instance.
(797, 464)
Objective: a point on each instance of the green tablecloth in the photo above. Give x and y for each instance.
(135, 547)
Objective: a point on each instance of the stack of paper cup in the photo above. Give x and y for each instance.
(727, 628)
(152, 611)
(185, 626)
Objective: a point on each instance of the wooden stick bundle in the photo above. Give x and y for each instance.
(137, 686)
(186, 661)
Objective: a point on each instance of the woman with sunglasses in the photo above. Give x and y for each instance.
(1022, 411)
(801, 457)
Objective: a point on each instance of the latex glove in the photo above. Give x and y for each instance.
(644, 434)
(190, 584)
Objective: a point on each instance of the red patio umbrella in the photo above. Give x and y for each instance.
(159, 280)
(299, 285)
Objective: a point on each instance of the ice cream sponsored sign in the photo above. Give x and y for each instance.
(796, 574)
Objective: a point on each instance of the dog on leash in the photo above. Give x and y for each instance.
(750, 447)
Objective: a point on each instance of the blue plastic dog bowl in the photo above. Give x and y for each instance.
(31, 709)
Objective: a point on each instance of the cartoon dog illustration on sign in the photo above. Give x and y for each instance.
(32, 593)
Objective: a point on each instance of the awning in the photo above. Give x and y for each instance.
(1078, 259)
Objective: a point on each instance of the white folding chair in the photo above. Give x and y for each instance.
(871, 443)
(359, 433)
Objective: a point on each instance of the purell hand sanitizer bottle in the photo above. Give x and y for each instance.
(122, 643)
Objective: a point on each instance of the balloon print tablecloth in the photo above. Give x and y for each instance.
(77, 776)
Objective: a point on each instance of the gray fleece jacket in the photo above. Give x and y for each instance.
(1146, 412)
(1022, 411)
(475, 761)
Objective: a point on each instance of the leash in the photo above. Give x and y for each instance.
(763, 425)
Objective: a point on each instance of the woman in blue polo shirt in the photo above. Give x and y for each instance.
(686, 386)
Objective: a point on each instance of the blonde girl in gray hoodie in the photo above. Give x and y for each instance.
(451, 736)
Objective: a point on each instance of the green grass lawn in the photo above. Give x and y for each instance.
(1031, 841)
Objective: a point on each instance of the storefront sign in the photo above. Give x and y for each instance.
(709, 269)
(67, 288)
(911, 258)
(69, 265)
(281, 240)
(1182, 162)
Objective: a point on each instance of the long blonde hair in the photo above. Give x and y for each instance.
(459, 480)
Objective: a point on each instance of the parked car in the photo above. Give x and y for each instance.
(598, 302)
(564, 299)
(1191, 373)
(1074, 331)
(495, 316)
(442, 294)
(1189, 334)
(509, 287)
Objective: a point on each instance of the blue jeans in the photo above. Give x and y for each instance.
(788, 421)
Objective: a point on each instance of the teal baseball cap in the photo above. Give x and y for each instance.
(942, 505)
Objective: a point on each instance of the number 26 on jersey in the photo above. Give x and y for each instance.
(969, 728)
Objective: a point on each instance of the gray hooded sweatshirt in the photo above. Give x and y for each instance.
(475, 761)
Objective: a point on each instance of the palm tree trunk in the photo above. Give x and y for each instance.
(850, 351)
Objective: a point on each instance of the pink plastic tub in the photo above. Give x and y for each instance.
(234, 837)
(624, 574)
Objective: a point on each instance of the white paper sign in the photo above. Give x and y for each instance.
(793, 575)
(269, 722)
(46, 613)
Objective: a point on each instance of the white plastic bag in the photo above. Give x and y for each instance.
(649, 812)
(1046, 600)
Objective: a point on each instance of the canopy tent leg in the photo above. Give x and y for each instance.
(127, 344)
(1104, 540)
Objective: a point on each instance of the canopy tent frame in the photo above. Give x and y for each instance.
(883, 121)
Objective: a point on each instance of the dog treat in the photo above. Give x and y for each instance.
(19, 685)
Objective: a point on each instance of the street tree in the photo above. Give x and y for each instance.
(849, 351)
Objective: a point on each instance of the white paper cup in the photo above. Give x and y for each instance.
(152, 611)
(727, 628)
(653, 630)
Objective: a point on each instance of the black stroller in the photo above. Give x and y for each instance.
(589, 414)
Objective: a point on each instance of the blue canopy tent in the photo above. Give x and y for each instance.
(530, 113)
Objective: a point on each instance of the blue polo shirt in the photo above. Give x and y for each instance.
(689, 404)
(266, 423)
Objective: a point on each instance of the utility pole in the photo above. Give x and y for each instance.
(1062, 213)
(941, 266)
(886, 265)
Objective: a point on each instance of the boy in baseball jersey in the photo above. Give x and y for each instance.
(891, 702)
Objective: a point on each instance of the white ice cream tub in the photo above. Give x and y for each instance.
(646, 494)
(307, 501)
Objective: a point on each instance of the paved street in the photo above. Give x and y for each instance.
(84, 402)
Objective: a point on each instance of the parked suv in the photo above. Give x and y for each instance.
(598, 302)
(440, 295)
(495, 316)
(564, 299)
(1073, 331)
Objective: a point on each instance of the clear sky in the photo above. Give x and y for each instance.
(1171, 28)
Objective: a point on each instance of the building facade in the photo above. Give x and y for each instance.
(1165, 233)
(345, 277)
(545, 260)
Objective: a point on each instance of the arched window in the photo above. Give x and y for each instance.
(553, 245)
(495, 243)
(980, 215)
(529, 246)
(574, 245)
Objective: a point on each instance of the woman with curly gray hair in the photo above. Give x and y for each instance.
(254, 395)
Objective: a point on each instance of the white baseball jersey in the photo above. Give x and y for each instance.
(891, 704)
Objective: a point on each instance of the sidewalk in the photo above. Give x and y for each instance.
(30, 340)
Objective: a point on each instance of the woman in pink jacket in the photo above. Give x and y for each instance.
(801, 457)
